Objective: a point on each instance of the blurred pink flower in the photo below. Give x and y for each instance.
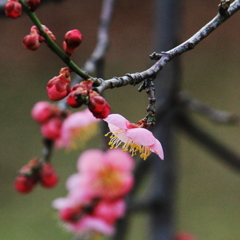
(88, 224)
(77, 129)
(110, 211)
(102, 174)
(134, 138)
(96, 193)
(96, 215)
(105, 174)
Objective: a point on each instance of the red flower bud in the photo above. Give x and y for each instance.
(48, 177)
(70, 214)
(72, 40)
(33, 4)
(50, 34)
(42, 111)
(31, 41)
(59, 86)
(72, 100)
(13, 9)
(34, 29)
(52, 128)
(24, 184)
(98, 105)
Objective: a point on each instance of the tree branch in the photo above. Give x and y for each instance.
(165, 57)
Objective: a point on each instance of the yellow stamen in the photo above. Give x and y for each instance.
(129, 146)
(82, 134)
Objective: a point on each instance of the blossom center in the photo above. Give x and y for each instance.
(129, 145)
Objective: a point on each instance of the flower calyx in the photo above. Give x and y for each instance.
(148, 121)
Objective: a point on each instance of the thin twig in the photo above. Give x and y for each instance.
(101, 47)
(102, 39)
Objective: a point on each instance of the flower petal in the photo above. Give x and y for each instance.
(90, 161)
(157, 148)
(117, 120)
(141, 136)
(122, 161)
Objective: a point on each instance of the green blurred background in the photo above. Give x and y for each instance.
(208, 199)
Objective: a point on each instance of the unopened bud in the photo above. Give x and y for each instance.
(72, 40)
(33, 4)
(31, 42)
(98, 105)
(42, 111)
(52, 128)
(13, 9)
(24, 184)
(59, 87)
(48, 177)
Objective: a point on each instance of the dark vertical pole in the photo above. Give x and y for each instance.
(163, 173)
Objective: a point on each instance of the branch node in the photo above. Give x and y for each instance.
(191, 45)
(155, 56)
(223, 7)
(136, 77)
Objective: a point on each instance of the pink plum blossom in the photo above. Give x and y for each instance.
(76, 129)
(134, 138)
(88, 224)
(96, 193)
(110, 211)
(105, 174)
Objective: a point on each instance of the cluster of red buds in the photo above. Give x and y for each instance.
(50, 118)
(96, 193)
(33, 40)
(82, 93)
(13, 8)
(35, 172)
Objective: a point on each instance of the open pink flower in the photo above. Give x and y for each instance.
(105, 174)
(110, 211)
(96, 193)
(102, 174)
(88, 224)
(77, 129)
(134, 138)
